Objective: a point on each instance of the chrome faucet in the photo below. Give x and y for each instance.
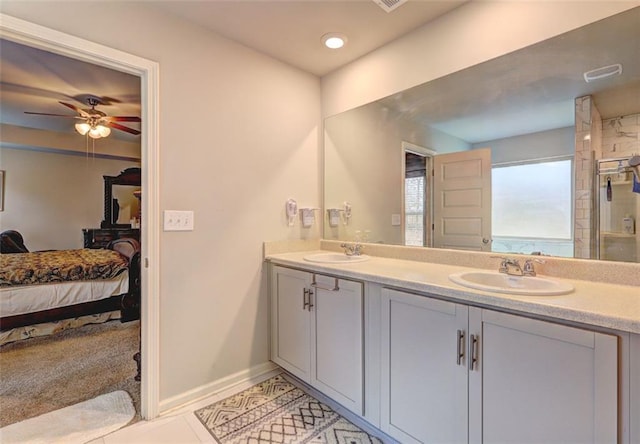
(510, 266)
(528, 268)
(352, 249)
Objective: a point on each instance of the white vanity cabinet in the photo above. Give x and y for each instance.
(290, 321)
(537, 381)
(424, 382)
(317, 332)
(452, 373)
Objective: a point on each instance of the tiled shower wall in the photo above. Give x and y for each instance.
(596, 139)
(588, 149)
(615, 143)
(619, 141)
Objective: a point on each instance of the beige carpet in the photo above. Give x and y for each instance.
(41, 375)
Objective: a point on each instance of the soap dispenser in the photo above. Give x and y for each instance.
(628, 225)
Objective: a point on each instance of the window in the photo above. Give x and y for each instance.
(414, 195)
(532, 207)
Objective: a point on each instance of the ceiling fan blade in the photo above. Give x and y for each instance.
(123, 118)
(122, 128)
(82, 112)
(55, 115)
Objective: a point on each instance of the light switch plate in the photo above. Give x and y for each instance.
(395, 220)
(175, 220)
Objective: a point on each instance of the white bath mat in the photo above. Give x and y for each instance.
(79, 423)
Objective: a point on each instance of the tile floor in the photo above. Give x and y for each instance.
(180, 426)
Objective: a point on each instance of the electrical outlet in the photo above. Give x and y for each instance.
(175, 220)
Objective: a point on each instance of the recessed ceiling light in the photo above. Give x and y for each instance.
(334, 40)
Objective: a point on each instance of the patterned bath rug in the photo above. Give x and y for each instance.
(277, 412)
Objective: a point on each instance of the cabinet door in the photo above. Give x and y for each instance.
(339, 349)
(290, 326)
(539, 382)
(424, 370)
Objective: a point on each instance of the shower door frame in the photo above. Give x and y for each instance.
(596, 192)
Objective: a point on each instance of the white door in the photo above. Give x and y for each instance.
(337, 309)
(424, 369)
(290, 321)
(462, 200)
(539, 382)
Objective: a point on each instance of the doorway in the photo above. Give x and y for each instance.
(417, 204)
(40, 37)
(446, 198)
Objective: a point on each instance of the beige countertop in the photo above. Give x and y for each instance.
(598, 304)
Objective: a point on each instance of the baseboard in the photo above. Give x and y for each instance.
(216, 386)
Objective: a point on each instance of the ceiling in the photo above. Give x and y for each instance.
(533, 89)
(34, 80)
(290, 31)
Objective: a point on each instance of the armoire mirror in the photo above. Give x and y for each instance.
(119, 189)
(523, 106)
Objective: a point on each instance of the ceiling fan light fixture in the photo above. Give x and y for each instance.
(99, 131)
(104, 130)
(96, 123)
(82, 128)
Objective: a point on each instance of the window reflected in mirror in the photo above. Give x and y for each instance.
(531, 211)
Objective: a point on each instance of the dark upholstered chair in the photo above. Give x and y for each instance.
(12, 242)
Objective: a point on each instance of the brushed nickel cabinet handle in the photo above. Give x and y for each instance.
(473, 351)
(336, 287)
(305, 298)
(460, 352)
(310, 304)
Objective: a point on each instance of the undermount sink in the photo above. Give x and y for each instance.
(504, 283)
(335, 258)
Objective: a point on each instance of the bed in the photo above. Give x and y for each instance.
(47, 286)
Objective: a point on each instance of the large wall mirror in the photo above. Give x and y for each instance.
(560, 121)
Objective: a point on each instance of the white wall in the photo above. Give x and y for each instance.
(471, 34)
(544, 144)
(238, 137)
(363, 161)
(50, 198)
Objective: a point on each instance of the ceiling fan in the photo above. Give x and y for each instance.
(96, 123)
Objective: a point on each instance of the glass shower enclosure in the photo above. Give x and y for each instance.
(618, 208)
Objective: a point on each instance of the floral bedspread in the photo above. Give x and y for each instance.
(60, 266)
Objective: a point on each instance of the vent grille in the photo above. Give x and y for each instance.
(389, 5)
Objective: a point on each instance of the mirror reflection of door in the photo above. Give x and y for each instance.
(417, 195)
(462, 200)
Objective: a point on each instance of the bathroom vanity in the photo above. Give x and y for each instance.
(427, 360)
